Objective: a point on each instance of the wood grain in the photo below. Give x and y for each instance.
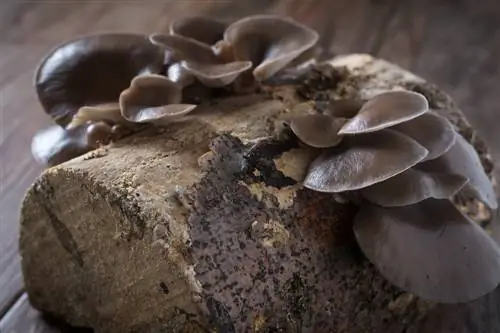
(455, 44)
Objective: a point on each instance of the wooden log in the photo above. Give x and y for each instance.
(202, 227)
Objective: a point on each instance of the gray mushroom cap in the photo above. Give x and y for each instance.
(217, 75)
(202, 29)
(413, 186)
(430, 249)
(55, 145)
(317, 130)
(92, 70)
(463, 159)
(386, 110)
(186, 49)
(430, 130)
(363, 160)
(270, 42)
(153, 99)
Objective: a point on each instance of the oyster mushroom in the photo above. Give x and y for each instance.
(180, 75)
(55, 145)
(202, 29)
(430, 249)
(183, 48)
(217, 75)
(270, 42)
(386, 110)
(92, 70)
(463, 159)
(317, 130)
(413, 186)
(430, 130)
(343, 108)
(362, 161)
(153, 99)
(108, 112)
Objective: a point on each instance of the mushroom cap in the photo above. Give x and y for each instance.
(217, 75)
(270, 42)
(55, 145)
(180, 75)
(343, 108)
(413, 186)
(153, 99)
(463, 159)
(91, 70)
(317, 130)
(363, 160)
(386, 110)
(429, 249)
(432, 131)
(200, 28)
(108, 112)
(183, 48)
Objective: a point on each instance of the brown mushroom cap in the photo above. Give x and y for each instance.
(413, 186)
(270, 42)
(92, 70)
(108, 112)
(153, 99)
(55, 145)
(217, 75)
(432, 131)
(317, 130)
(386, 110)
(430, 249)
(183, 48)
(463, 159)
(202, 29)
(363, 160)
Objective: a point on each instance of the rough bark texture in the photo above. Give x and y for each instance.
(146, 236)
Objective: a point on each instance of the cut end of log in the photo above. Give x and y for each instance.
(203, 226)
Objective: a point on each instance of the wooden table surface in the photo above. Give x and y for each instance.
(455, 44)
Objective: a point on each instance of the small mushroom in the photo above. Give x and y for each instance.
(153, 99)
(202, 29)
(362, 161)
(429, 249)
(92, 70)
(432, 131)
(463, 159)
(55, 145)
(386, 110)
(317, 130)
(413, 186)
(187, 49)
(270, 42)
(217, 75)
(108, 112)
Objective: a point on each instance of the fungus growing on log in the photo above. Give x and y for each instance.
(244, 206)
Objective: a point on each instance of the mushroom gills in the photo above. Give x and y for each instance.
(430, 249)
(317, 130)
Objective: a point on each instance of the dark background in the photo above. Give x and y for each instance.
(452, 43)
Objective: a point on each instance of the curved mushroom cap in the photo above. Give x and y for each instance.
(430, 249)
(362, 161)
(55, 145)
(463, 159)
(413, 186)
(92, 70)
(109, 112)
(217, 75)
(183, 48)
(317, 130)
(180, 75)
(432, 131)
(153, 99)
(271, 42)
(386, 110)
(202, 29)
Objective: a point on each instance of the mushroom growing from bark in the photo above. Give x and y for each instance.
(406, 162)
(92, 70)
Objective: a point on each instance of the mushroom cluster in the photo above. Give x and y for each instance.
(123, 80)
(403, 163)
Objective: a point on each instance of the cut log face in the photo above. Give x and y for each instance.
(203, 227)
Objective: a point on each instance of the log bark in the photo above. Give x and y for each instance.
(202, 227)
